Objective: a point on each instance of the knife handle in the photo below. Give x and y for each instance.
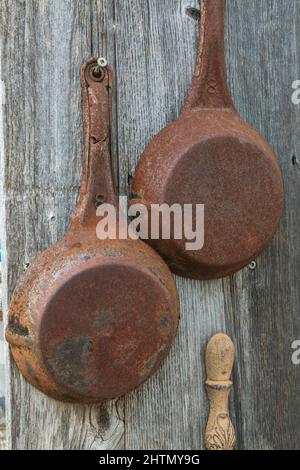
(220, 433)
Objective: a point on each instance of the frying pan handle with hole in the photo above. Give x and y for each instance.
(97, 181)
(209, 87)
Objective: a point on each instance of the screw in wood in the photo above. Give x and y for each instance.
(253, 265)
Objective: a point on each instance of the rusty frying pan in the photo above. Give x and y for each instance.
(91, 320)
(210, 156)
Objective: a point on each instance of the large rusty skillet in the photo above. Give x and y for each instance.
(91, 320)
(211, 156)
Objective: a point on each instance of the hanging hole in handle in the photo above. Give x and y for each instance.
(97, 71)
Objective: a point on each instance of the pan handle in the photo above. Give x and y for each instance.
(97, 181)
(209, 87)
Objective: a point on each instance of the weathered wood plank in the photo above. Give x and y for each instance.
(152, 47)
(169, 412)
(43, 44)
(262, 306)
(258, 309)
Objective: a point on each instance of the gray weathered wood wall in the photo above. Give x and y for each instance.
(151, 44)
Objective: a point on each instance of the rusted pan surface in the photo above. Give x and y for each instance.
(210, 156)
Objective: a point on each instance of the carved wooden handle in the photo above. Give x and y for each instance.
(220, 433)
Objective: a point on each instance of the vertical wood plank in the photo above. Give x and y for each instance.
(169, 411)
(43, 44)
(262, 307)
(258, 309)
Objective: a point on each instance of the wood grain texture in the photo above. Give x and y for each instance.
(43, 44)
(151, 45)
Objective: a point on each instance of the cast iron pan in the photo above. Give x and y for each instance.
(91, 320)
(210, 156)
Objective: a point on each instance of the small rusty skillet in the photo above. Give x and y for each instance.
(91, 320)
(210, 156)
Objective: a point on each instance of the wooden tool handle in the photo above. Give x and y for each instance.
(220, 433)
